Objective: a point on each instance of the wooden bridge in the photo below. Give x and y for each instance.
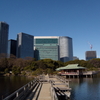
(43, 88)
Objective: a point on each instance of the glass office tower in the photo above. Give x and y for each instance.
(11, 47)
(66, 48)
(4, 28)
(25, 45)
(90, 55)
(46, 47)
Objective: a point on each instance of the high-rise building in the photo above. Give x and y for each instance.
(25, 45)
(66, 48)
(46, 47)
(53, 47)
(75, 58)
(4, 28)
(90, 55)
(11, 48)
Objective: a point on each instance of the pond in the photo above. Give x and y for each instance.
(10, 84)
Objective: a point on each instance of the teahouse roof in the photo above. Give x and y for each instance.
(71, 66)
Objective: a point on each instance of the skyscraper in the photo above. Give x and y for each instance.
(90, 55)
(46, 47)
(4, 28)
(11, 47)
(25, 45)
(53, 47)
(66, 48)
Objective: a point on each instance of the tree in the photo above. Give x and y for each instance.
(41, 64)
(16, 70)
(3, 63)
(19, 62)
(6, 70)
(95, 62)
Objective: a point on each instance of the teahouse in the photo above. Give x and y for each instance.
(74, 70)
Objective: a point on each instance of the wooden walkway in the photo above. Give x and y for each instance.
(63, 86)
(45, 92)
(44, 88)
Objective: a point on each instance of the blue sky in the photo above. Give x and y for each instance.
(78, 19)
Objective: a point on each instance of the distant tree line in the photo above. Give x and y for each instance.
(30, 65)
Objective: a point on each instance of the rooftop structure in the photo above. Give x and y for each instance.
(71, 66)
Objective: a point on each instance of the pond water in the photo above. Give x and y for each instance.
(85, 88)
(82, 88)
(10, 84)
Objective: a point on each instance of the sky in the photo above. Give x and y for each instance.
(78, 19)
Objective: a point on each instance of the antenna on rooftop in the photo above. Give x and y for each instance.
(90, 46)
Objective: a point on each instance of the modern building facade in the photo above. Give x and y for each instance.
(75, 58)
(50, 47)
(66, 48)
(4, 28)
(53, 47)
(12, 44)
(46, 47)
(90, 55)
(25, 45)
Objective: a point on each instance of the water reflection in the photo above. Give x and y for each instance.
(10, 84)
(82, 89)
(85, 88)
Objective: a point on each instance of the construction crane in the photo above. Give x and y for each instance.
(90, 46)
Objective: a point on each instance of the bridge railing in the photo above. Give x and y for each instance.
(24, 91)
(53, 93)
(65, 81)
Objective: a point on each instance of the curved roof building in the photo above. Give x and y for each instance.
(66, 48)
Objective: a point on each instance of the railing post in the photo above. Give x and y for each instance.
(28, 85)
(31, 84)
(24, 88)
(17, 94)
(53, 95)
